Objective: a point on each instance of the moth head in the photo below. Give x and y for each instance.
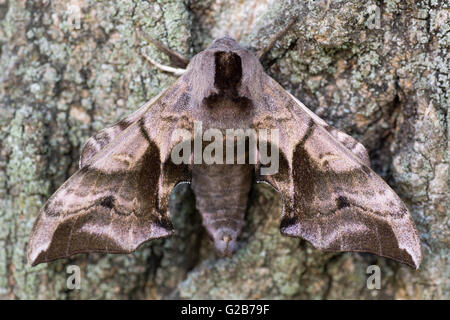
(225, 43)
(225, 69)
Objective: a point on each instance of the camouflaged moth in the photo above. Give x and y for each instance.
(119, 197)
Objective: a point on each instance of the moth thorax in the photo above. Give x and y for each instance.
(228, 71)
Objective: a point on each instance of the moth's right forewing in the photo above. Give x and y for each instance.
(331, 196)
(348, 141)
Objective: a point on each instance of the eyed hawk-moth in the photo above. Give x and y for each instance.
(118, 199)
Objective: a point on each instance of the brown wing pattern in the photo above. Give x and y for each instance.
(119, 197)
(349, 142)
(331, 196)
(105, 208)
(97, 142)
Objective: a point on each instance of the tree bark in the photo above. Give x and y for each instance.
(377, 70)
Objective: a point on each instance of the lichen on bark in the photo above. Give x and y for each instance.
(377, 70)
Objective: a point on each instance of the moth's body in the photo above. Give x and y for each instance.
(119, 197)
(221, 190)
(221, 193)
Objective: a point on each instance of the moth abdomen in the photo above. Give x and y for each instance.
(221, 193)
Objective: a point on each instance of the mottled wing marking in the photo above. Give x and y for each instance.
(113, 204)
(331, 196)
(97, 142)
(119, 198)
(349, 142)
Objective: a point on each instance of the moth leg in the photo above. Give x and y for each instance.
(263, 52)
(172, 70)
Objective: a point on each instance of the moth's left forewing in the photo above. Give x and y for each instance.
(110, 205)
(118, 199)
(331, 196)
(102, 138)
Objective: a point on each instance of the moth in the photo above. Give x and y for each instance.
(118, 199)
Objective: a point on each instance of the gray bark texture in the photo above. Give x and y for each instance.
(377, 70)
